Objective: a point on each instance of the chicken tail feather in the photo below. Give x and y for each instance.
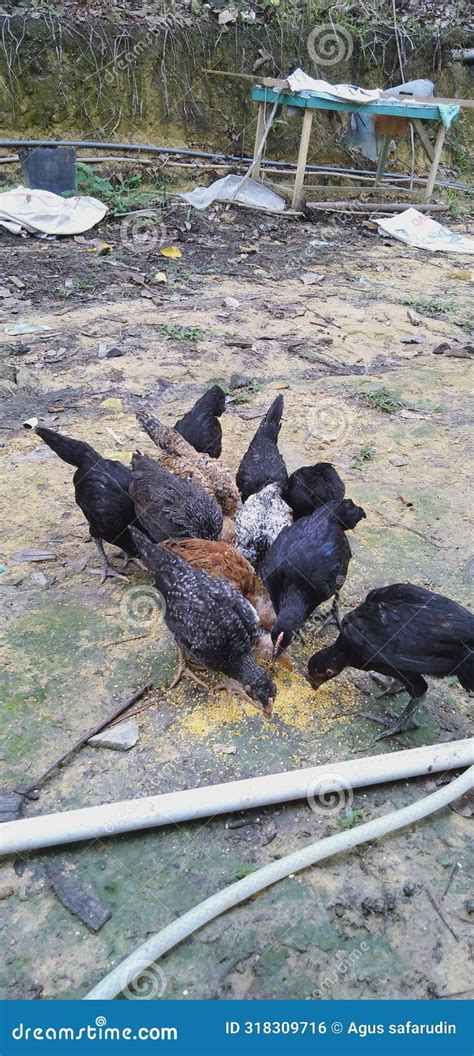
(69, 450)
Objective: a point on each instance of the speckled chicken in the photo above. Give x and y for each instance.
(180, 458)
(201, 426)
(306, 565)
(224, 561)
(404, 631)
(263, 464)
(312, 486)
(259, 521)
(212, 623)
(219, 559)
(170, 507)
(101, 488)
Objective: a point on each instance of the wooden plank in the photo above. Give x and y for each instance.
(359, 208)
(318, 103)
(276, 82)
(302, 156)
(423, 137)
(434, 167)
(256, 166)
(426, 110)
(382, 160)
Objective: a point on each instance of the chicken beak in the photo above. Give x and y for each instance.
(268, 707)
(277, 646)
(313, 683)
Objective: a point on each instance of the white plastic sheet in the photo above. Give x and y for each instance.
(224, 190)
(417, 229)
(41, 212)
(302, 82)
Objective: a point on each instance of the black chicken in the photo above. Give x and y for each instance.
(169, 507)
(263, 464)
(212, 623)
(312, 486)
(201, 426)
(101, 487)
(306, 565)
(403, 631)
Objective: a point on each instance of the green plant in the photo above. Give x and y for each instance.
(81, 284)
(364, 454)
(350, 818)
(381, 399)
(181, 333)
(118, 198)
(431, 307)
(239, 872)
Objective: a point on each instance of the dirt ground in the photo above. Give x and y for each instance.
(390, 920)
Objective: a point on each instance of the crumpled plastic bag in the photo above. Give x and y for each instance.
(224, 190)
(44, 213)
(417, 229)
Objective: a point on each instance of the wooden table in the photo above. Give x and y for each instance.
(418, 112)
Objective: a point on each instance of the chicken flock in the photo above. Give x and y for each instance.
(235, 557)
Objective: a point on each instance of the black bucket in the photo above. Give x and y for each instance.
(49, 169)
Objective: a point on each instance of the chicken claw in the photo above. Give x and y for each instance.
(185, 672)
(108, 570)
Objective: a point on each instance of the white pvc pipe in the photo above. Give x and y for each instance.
(138, 962)
(49, 830)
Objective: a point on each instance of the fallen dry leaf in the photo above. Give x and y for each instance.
(172, 252)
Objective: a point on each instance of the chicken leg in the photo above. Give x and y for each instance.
(108, 570)
(185, 672)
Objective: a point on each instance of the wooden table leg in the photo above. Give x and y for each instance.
(382, 159)
(302, 156)
(425, 142)
(434, 167)
(255, 173)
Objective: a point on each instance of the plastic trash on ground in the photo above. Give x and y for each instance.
(251, 193)
(42, 212)
(416, 229)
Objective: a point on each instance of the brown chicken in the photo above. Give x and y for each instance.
(180, 458)
(222, 560)
(219, 559)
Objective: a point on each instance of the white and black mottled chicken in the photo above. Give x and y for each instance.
(169, 507)
(263, 464)
(201, 426)
(403, 631)
(212, 623)
(101, 488)
(306, 565)
(259, 521)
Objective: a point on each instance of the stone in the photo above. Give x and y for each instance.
(39, 579)
(119, 738)
(239, 381)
